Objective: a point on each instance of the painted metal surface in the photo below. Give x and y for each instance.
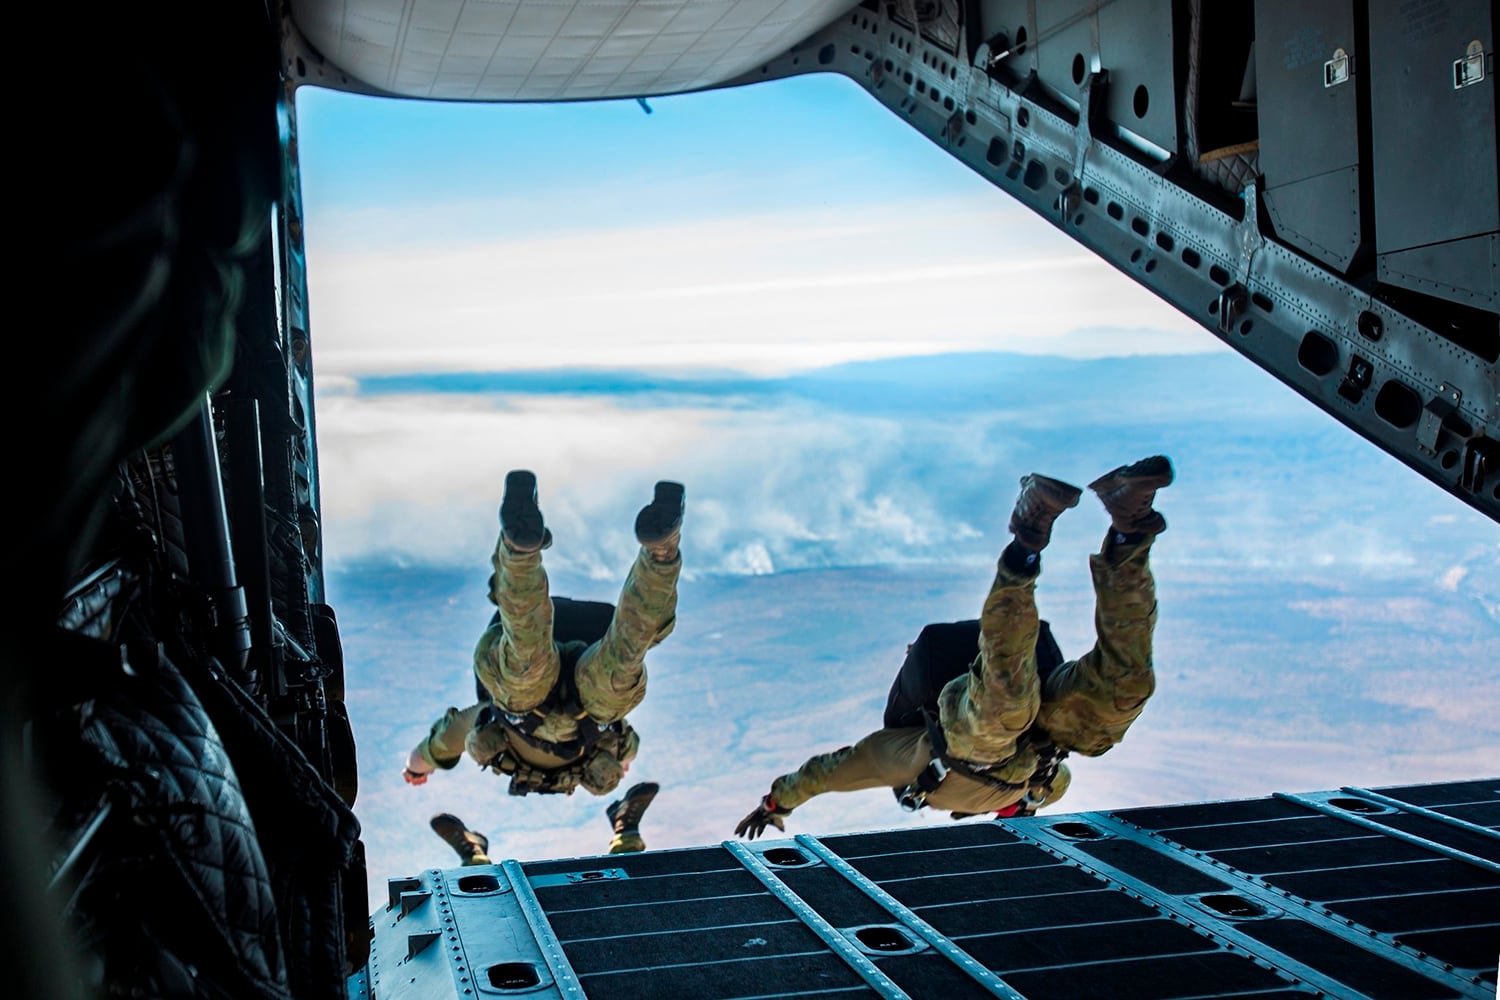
(909, 919)
(1252, 897)
(878, 980)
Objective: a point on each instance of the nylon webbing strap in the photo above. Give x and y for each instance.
(940, 747)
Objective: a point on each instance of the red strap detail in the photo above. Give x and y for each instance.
(1009, 810)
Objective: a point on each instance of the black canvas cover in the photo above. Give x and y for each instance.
(941, 652)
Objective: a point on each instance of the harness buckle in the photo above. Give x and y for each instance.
(914, 796)
(911, 798)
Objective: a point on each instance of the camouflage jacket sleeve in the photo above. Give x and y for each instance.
(445, 741)
(887, 758)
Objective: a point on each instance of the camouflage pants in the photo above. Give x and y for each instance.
(517, 660)
(1088, 703)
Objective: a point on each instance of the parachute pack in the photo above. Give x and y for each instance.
(940, 653)
(581, 620)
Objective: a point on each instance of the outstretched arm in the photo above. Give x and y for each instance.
(443, 745)
(886, 758)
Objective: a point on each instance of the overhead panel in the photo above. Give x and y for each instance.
(1432, 95)
(1136, 44)
(1308, 61)
(543, 50)
(1063, 42)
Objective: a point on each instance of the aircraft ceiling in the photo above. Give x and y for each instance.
(550, 50)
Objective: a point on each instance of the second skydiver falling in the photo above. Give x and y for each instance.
(1002, 729)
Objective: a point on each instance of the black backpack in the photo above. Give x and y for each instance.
(940, 653)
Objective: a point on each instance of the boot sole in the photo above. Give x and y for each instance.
(1047, 498)
(663, 516)
(645, 790)
(451, 829)
(520, 517)
(1147, 475)
(1059, 495)
(1154, 473)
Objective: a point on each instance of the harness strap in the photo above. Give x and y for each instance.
(914, 795)
(526, 778)
(589, 732)
(563, 699)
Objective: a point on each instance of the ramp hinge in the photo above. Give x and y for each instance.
(1232, 305)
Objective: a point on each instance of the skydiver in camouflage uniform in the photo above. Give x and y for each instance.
(624, 815)
(555, 716)
(1005, 729)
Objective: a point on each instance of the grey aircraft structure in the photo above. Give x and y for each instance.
(1314, 183)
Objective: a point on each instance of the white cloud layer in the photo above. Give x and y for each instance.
(780, 483)
(767, 292)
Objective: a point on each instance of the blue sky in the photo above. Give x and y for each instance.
(776, 227)
(849, 347)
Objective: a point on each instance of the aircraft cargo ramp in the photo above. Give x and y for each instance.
(1386, 893)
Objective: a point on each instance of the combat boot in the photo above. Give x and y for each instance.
(625, 814)
(472, 848)
(521, 525)
(1041, 500)
(1128, 491)
(658, 527)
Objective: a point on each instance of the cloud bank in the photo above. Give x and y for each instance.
(906, 461)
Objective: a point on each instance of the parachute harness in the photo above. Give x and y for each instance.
(914, 796)
(593, 739)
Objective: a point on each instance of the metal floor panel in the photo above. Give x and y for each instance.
(1391, 894)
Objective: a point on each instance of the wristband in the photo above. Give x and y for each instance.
(769, 805)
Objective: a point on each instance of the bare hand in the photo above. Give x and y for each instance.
(416, 770)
